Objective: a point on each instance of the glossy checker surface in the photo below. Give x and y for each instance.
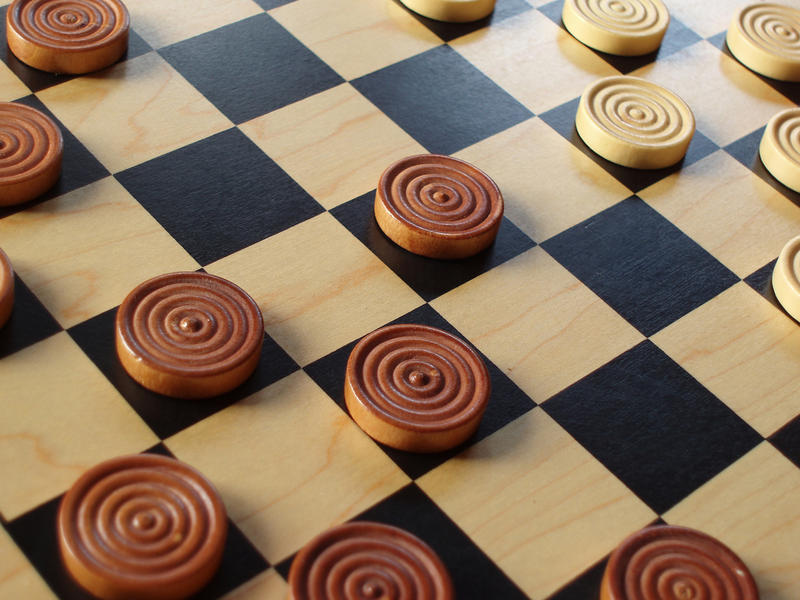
(641, 368)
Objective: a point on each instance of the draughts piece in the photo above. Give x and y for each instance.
(6, 288)
(31, 147)
(786, 278)
(766, 39)
(780, 148)
(142, 526)
(634, 123)
(623, 27)
(673, 563)
(368, 560)
(438, 206)
(455, 11)
(416, 388)
(189, 335)
(68, 36)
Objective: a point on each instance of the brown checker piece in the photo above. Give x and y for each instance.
(539, 503)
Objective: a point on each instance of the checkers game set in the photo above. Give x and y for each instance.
(371, 299)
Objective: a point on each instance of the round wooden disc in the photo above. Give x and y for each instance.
(634, 123)
(454, 11)
(766, 38)
(622, 27)
(786, 278)
(416, 388)
(68, 36)
(438, 206)
(6, 288)
(189, 335)
(673, 563)
(368, 561)
(31, 147)
(780, 148)
(142, 526)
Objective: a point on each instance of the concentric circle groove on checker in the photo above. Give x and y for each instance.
(142, 526)
(189, 335)
(416, 388)
(363, 560)
(438, 206)
(675, 563)
(765, 37)
(780, 148)
(68, 36)
(621, 27)
(634, 122)
(31, 149)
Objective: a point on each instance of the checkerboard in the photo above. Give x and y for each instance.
(642, 370)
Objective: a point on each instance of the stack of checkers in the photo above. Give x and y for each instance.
(192, 344)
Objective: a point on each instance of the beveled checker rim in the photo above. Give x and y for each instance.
(786, 277)
(12, 115)
(114, 36)
(114, 494)
(6, 288)
(307, 564)
(139, 299)
(658, 537)
(493, 215)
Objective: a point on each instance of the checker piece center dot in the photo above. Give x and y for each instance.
(31, 147)
(622, 27)
(438, 206)
(368, 561)
(786, 278)
(142, 526)
(68, 36)
(675, 563)
(416, 388)
(189, 335)
(634, 123)
(6, 288)
(766, 39)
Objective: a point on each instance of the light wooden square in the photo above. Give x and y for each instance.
(743, 350)
(706, 18)
(548, 185)
(356, 37)
(538, 323)
(335, 144)
(60, 417)
(560, 510)
(752, 508)
(267, 586)
(135, 111)
(81, 253)
(18, 577)
(161, 23)
(318, 287)
(533, 59)
(728, 210)
(728, 101)
(306, 467)
(11, 88)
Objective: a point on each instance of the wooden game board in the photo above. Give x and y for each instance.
(641, 367)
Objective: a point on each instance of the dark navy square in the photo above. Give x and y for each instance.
(441, 100)
(562, 119)
(745, 150)
(652, 425)
(474, 575)
(428, 277)
(79, 167)
(268, 4)
(167, 416)
(251, 67)
(643, 266)
(787, 440)
(38, 80)
(30, 321)
(761, 281)
(507, 401)
(219, 195)
(35, 533)
(503, 9)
